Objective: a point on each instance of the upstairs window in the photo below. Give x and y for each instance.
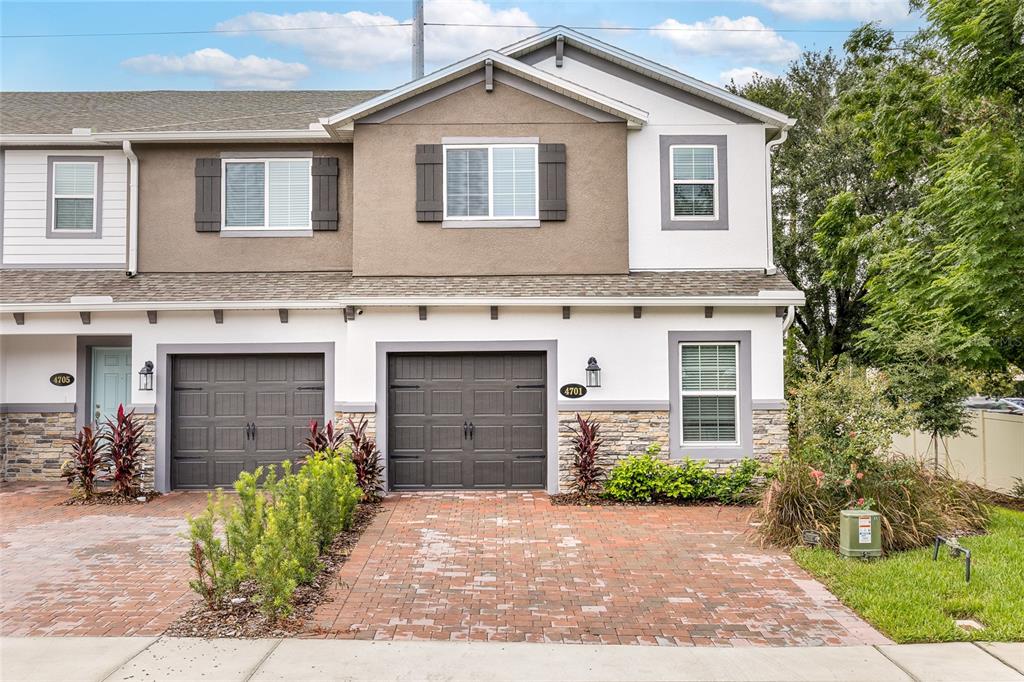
(710, 398)
(267, 194)
(74, 196)
(694, 180)
(497, 181)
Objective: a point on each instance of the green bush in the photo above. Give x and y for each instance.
(646, 478)
(272, 535)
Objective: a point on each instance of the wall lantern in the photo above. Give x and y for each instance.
(593, 374)
(146, 376)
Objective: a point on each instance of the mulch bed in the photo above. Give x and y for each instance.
(578, 500)
(240, 617)
(109, 498)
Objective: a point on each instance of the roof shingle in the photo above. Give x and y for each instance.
(166, 110)
(58, 286)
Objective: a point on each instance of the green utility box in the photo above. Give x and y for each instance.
(860, 533)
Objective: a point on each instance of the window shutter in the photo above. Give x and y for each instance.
(551, 182)
(325, 193)
(429, 183)
(207, 195)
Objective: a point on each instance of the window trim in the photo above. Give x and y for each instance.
(265, 160)
(491, 220)
(744, 414)
(52, 232)
(721, 218)
(735, 393)
(713, 182)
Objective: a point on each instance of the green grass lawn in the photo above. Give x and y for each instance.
(911, 598)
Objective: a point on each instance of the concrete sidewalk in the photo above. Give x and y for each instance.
(67, 659)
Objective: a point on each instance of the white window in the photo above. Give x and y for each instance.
(497, 181)
(74, 196)
(694, 171)
(267, 194)
(710, 398)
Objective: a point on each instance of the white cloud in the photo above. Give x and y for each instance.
(358, 40)
(260, 73)
(860, 10)
(742, 75)
(743, 38)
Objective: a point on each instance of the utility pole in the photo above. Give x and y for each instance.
(417, 39)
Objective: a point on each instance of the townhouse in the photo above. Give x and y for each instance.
(467, 261)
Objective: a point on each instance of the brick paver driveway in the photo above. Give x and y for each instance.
(512, 567)
(96, 570)
(498, 566)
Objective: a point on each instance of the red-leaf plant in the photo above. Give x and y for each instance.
(123, 437)
(86, 460)
(323, 440)
(587, 472)
(366, 458)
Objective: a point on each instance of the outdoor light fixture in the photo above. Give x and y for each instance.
(593, 374)
(146, 376)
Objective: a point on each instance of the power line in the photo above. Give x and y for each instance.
(405, 24)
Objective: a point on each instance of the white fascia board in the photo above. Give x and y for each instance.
(48, 140)
(214, 135)
(595, 99)
(652, 69)
(780, 298)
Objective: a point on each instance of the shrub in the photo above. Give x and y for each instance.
(86, 459)
(646, 478)
(123, 438)
(587, 472)
(1017, 490)
(216, 570)
(273, 535)
(841, 456)
(325, 439)
(366, 458)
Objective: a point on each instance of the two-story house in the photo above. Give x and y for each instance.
(453, 259)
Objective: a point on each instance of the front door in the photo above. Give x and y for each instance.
(111, 376)
(467, 420)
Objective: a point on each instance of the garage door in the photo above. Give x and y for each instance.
(472, 420)
(232, 413)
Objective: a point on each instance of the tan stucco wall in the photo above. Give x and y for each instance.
(389, 241)
(168, 241)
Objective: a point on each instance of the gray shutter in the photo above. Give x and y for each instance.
(208, 195)
(325, 193)
(551, 182)
(429, 183)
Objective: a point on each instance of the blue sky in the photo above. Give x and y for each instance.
(353, 45)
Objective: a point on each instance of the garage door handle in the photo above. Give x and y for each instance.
(472, 430)
(465, 430)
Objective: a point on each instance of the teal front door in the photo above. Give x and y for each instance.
(111, 381)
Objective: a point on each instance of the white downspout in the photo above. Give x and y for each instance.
(133, 209)
(788, 322)
(771, 144)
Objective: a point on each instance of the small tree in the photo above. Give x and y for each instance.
(587, 472)
(924, 373)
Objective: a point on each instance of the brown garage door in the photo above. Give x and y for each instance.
(471, 420)
(232, 413)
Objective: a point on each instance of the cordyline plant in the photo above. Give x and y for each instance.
(325, 439)
(366, 458)
(123, 440)
(587, 472)
(86, 459)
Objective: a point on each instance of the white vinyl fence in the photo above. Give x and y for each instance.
(992, 457)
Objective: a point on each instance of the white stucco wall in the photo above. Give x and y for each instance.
(745, 243)
(632, 352)
(24, 212)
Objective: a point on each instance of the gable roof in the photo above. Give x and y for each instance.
(632, 115)
(651, 69)
(170, 110)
